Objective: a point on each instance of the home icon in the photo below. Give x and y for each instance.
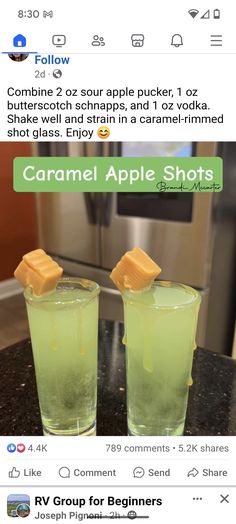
(19, 41)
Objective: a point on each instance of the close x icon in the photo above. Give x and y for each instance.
(224, 498)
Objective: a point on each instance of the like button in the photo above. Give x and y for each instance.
(14, 473)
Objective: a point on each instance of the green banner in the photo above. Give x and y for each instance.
(108, 174)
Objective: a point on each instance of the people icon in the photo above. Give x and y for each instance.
(18, 57)
(98, 41)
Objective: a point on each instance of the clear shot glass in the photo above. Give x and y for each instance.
(160, 330)
(64, 335)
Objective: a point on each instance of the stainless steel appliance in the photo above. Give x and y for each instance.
(90, 232)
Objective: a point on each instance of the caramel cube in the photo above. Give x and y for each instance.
(135, 271)
(39, 271)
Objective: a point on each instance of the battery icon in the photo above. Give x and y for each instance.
(216, 14)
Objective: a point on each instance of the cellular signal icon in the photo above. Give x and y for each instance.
(193, 12)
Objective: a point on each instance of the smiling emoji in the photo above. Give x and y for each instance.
(103, 132)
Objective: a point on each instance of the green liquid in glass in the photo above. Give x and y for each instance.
(160, 327)
(64, 327)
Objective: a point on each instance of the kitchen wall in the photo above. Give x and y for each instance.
(18, 233)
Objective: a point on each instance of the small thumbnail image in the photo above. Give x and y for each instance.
(18, 505)
(18, 57)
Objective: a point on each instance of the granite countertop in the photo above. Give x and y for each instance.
(212, 399)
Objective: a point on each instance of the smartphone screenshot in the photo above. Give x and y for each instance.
(117, 261)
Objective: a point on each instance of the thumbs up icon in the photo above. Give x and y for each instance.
(14, 473)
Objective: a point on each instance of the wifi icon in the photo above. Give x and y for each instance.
(193, 12)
